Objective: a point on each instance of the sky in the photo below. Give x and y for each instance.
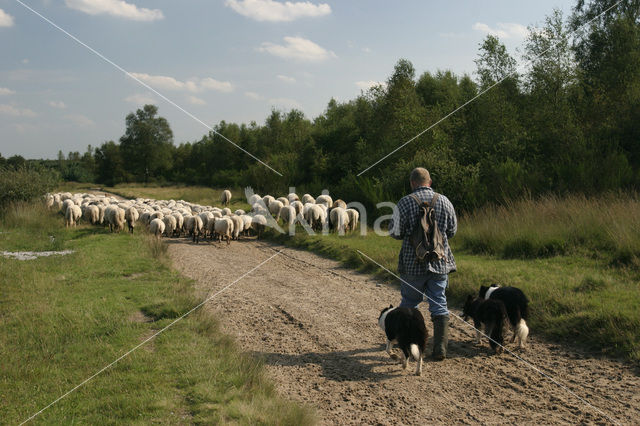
(231, 60)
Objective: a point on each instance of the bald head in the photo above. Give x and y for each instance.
(419, 177)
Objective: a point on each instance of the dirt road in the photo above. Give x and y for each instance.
(314, 324)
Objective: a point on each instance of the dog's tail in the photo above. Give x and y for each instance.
(522, 331)
(415, 351)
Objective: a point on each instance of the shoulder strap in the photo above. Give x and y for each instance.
(434, 200)
(417, 200)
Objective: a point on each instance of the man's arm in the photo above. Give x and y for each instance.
(452, 220)
(398, 224)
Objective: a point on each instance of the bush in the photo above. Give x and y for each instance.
(25, 184)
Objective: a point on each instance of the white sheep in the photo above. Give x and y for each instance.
(246, 219)
(283, 200)
(238, 226)
(254, 199)
(324, 199)
(315, 216)
(179, 222)
(306, 198)
(72, 215)
(274, 207)
(226, 211)
(258, 224)
(114, 216)
(297, 205)
(339, 203)
(339, 219)
(267, 199)
(131, 215)
(225, 199)
(156, 215)
(292, 197)
(91, 214)
(239, 212)
(65, 205)
(224, 228)
(288, 215)
(170, 224)
(156, 227)
(197, 228)
(354, 217)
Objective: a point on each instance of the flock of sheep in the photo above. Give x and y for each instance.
(175, 218)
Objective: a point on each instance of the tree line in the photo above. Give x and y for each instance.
(569, 122)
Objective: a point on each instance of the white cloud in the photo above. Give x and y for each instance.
(367, 50)
(366, 85)
(196, 101)
(253, 95)
(284, 103)
(5, 91)
(298, 48)
(25, 61)
(6, 20)
(79, 120)
(273, 11)
(140, 99)
(503, 30)
(57, 104)
(212, 84)
(286, 78)
(192, 85)
(118, 8)
(16, 112)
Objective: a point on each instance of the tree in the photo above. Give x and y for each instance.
(147, 144)
(494, 63)
(109, 164)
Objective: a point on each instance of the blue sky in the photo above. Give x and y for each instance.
(230, 60)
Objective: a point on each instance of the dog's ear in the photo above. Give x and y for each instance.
(469, 298)
(483, 289)
(390, 306)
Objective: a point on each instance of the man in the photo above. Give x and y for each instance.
(430, 278)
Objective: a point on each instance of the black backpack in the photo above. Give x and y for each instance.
(426, 237)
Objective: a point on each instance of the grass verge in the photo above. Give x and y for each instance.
(63, 318)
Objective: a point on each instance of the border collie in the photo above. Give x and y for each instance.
(489, 312)
(405, 327)
(517, 306)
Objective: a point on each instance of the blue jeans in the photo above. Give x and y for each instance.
(432, 285)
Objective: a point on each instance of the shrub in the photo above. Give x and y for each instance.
(25, 184)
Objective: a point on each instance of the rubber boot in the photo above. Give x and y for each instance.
(440, 336)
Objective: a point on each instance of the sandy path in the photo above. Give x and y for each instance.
(314, 324)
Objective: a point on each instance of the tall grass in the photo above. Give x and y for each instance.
(604, 226)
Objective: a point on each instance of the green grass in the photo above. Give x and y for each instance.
(195, 194)
(574, 298)
(606, 227)
(64, 318)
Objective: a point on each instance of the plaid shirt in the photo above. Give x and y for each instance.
(405, 218)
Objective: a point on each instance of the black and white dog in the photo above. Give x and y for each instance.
(517, 306)
(405, 327)
(489, 312)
